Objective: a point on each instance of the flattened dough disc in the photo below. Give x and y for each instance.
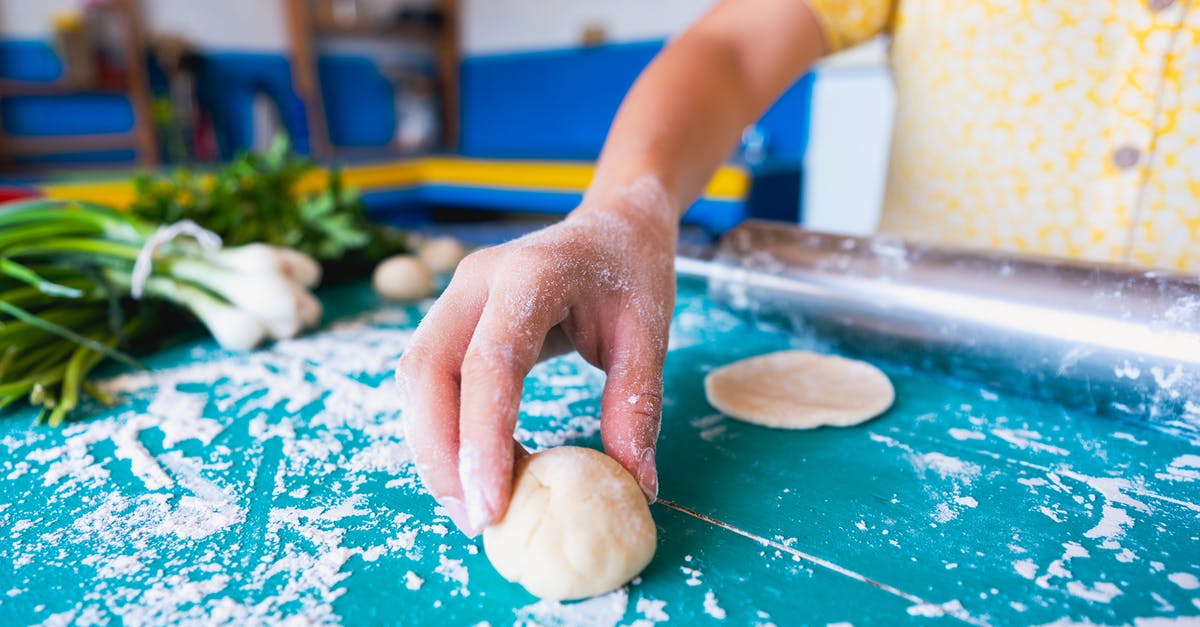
(799, 390)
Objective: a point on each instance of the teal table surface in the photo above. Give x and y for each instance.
(276, 486)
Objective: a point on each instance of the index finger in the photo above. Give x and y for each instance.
(504, 349)
(428, 374)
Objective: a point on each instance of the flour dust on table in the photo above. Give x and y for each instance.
(276, 487)
(251, 488)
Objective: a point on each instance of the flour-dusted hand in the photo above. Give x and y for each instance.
(605, 274)
(605, 277)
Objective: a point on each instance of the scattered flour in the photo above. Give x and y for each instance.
(550, 423)
(943, 513)
(1101, 592)
(1182, 468)
(652, 612)
(946, 466)
(1112, 524)
(1113, 519)
(453, 570)
(319, 436)
(1121, 435)
(1163, 604)
(1026, 568)
(1051, 514)
(321, 413)
(122, 566)
(711, 607)
(1187, 581)
(601, 611)
(1023, 439)
(1127, 371)
(705, 422)
(340, 433)
(764, 620)
(712, 433)
(693, 575)
(161, 483)
(933, 610)
(966, 434)
(1058, 568)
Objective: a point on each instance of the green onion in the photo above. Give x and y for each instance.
(66, 279)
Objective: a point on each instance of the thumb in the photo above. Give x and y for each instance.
(631, 408)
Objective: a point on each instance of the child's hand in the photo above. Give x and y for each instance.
(605, 276)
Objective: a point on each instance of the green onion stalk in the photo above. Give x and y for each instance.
(78, 282)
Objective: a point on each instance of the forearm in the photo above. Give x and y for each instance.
(685, 114)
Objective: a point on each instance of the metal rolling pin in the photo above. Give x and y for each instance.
(1107, 338)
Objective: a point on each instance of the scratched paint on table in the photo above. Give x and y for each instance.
(260, 487)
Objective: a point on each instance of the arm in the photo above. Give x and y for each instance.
(684, 115)
(604, 275)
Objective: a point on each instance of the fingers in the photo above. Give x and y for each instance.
(632, 403)
(464, 371)
(504, 349)
(428, 374)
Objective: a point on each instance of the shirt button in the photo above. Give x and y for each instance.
(1159, 5)
(1126, 157)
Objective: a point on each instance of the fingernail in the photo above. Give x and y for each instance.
(479, 510)
(648, 475)
(458, 513)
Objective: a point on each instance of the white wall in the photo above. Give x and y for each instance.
(241, 25)
(30, 19)
(497, 26)
(845, 165)
(489, 26)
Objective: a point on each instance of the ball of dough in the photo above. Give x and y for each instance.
(577, 526)
(799, 390)
(442, 254)
(403, 277)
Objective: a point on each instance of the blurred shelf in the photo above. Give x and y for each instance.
(59, 144)
(11, 88)
(310, 20)
(142, 140)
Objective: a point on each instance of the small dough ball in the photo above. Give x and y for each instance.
(799, 390)
(403, 277)
(442, 254)
(577, 526)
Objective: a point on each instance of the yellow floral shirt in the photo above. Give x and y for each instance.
(1064, 127)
